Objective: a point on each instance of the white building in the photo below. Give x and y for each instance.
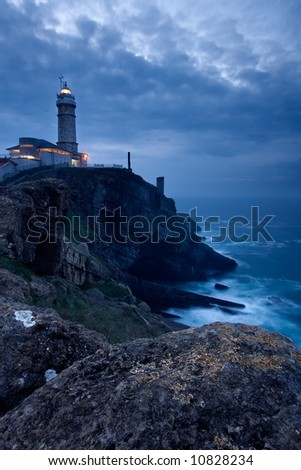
(32, 152)
(8, 168)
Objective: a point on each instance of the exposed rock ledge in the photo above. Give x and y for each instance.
(223, 386)
(36, 342)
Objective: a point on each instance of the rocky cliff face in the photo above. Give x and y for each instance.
(218, 387)
(22, 210)
(80, 251)
(154, 259)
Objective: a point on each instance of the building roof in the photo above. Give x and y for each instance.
(44, 143)
(15, 147)
(38, 143)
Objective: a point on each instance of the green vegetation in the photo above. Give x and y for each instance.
(113, 289)
(117, 321)
(16, 267)
(100, 306)
(109, 288)
(118, 324)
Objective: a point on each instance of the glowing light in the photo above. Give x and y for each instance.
(66, 91)
(54, 150)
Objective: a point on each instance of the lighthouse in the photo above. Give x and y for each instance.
(32, 152)
(66, 119)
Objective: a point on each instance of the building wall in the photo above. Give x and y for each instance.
(67, 128)
(25, 164)
(27, 147)
(54, 158)
(7, 171)
(83, 159)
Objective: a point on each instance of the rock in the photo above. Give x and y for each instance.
(112, 189)
(274, 299)
(222, 386)
(144, 308)
(17, 287)
(4, 250)
(161, 297)
(40, 288)
(25, 203)
(95, 295)
(128, 298)
(219, 286)
(45, 202)
(33, 341)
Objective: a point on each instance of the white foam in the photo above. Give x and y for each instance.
(259, 297)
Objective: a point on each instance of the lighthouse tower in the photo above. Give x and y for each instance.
(66, 119)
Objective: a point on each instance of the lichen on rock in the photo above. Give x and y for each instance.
(25, 317)
(222, 386)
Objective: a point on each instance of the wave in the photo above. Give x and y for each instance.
(267, 303)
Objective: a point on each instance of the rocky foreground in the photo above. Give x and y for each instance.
(222, 386)
(65, 384)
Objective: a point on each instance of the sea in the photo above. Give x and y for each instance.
(267, 279)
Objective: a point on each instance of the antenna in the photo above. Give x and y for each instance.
(61, 79)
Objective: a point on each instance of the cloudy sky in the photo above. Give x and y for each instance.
(205, 92)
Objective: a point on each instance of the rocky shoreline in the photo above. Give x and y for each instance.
(161, 297)
(88, 361)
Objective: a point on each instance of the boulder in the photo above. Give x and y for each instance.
(17, 287)
(219, 286)
(34, 341)
(42, 289)
(222, 386)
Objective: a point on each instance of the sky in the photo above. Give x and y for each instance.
(203, 92)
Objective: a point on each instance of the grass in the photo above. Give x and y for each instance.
(16, 267)
(113, 289)
(117, 321)
(109, 288)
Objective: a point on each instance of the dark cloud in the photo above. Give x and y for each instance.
(201, 95)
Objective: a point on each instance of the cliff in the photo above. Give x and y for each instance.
(83, 251)
(218, 387)
(154, 259)
(87, 225)
(66, 210)
(32, 201)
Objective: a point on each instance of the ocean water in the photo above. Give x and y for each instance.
(268, 277)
